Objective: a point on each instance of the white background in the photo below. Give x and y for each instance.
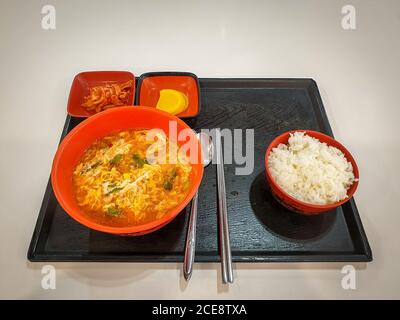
(357, 73)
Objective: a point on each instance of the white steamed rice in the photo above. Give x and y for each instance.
(311, 171)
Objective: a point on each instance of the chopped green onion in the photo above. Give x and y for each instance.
(88, 168)
(167, 185)
(117, 158)
(113, 212)
(114, 190)
(139, 162)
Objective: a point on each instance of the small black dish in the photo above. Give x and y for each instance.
(150, 84)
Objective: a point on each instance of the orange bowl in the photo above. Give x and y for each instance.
(292, 203)
(97, 126)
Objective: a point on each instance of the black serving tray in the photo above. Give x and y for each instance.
(261, 230)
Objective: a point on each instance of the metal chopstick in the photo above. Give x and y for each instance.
(190, 240)
(223, 228)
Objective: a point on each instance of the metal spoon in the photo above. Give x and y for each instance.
(207, 150)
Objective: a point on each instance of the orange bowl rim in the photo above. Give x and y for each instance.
(303, 204)
(120, 230)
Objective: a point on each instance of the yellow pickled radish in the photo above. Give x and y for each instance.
(172, 101)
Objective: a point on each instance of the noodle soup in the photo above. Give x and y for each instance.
(118, 181)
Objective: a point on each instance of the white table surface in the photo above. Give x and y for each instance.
(358, 76)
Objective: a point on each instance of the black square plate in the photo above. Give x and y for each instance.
(260, 229)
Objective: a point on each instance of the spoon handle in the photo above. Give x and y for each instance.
(190, 245)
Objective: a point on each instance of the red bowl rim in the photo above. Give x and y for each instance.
(140, 229)
(71, 110)
(306, 205)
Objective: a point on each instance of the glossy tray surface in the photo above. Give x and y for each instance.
(261, 230)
